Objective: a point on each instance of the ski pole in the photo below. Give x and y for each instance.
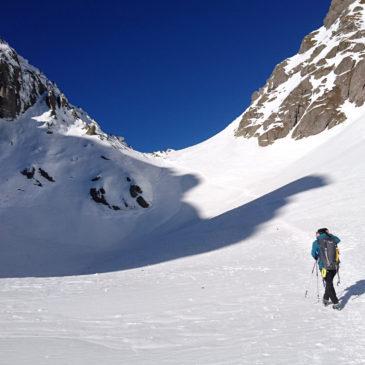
(338, 277)
(310, 281)
(317, 282)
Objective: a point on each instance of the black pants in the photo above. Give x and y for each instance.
(330, 292)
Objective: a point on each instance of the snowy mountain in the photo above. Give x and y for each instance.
(63, 179)
(198, 256)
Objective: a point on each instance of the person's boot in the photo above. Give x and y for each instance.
(337, 306)
(326, 302)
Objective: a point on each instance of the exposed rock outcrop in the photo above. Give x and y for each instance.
(306, 93)
(29, 173)
(46, 175)
(91, 129)
(135, 190)
(142, 202)
(336, 9)
(20, 85)
(98, 195)
(116, 201)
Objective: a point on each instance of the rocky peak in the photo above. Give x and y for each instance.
(306, 93)
(20, 84)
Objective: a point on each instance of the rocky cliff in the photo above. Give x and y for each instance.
(22, 86)
(306, 93)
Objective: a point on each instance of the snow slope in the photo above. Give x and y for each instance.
(233, 264)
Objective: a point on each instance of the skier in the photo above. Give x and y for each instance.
(324, 249)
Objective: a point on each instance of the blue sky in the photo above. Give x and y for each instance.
(163, 74)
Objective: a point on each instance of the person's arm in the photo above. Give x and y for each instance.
(315, 250)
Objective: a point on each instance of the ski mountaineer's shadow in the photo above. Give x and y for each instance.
(204, 235)
(355, 290)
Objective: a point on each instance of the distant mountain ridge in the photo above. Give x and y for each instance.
(308, 92)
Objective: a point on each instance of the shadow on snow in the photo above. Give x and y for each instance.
(355, 291)
(95, 244)
(203, 235)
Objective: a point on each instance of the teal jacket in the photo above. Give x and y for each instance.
(315, 248)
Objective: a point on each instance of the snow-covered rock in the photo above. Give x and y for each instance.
(305, 93)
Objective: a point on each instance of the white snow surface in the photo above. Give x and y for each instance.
(214, 272)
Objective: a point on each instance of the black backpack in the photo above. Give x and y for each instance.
(328, 253)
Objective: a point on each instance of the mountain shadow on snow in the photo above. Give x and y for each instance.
(197, 235)
(97, 243)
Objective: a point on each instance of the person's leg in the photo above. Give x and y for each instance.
(330, 290)
(326, 295)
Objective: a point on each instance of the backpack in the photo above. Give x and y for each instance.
(328, 253)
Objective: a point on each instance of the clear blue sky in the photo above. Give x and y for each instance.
(163, 73)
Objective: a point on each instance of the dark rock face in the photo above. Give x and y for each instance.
(20, 84)
(29, 173)
(135, 190)
(46, 175)
(9, 91)
(142, 202)
(98, 195)
(305, 94)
